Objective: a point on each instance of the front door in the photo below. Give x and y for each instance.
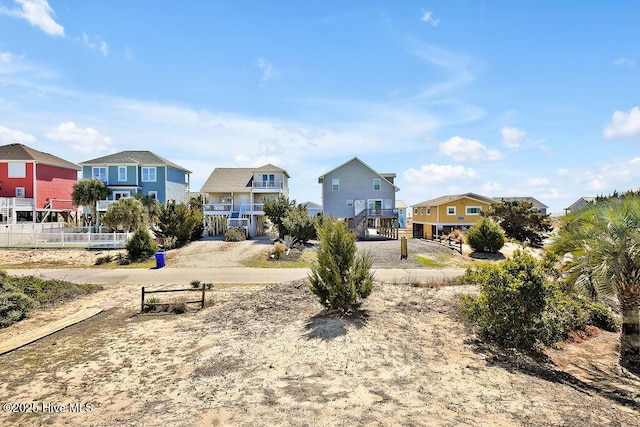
(418, 231)
(375, 207)
(358, 206)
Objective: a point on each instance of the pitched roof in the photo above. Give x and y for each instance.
(580, 202)
(21, 152)
(534, 202)
(141, 157)
(226, 180)
(384, 176)
(450, 198)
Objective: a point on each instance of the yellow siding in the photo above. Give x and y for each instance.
(440, 215)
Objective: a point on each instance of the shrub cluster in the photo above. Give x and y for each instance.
(519, 308)
(19, 295)
(235, 234)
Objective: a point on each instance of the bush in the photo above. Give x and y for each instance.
(235, 234)
(300, 225)
(106, 259)
(518, 306)
(14, 305)
(340, 279)
(486, 236)
(278, 250)
(141, 246)
(196, 284)
(511, 301)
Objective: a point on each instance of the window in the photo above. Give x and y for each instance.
(473, 210)
(19, 191)
(451, 210)
(117, 195)
(376, 184)
(428, 211)
(17, 170)
(99, 173)
(350, 203)
(149, 174)
(415, 211)
(421, 211)
(153, 195)
(122, 173)
(335, 184)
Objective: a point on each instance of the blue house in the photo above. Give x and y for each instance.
(138, 172)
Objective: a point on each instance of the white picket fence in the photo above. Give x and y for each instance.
(60, 239)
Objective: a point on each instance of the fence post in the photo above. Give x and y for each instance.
(35, 237)
(62, 237)
(142, 301)
(202, 305)
(89, 239)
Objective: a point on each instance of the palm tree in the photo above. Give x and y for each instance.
(604, 239)
(87, 193)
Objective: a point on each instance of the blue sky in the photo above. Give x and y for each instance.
(501, 98)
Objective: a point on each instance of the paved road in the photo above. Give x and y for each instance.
(239, 275)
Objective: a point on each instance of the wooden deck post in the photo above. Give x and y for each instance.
(142, 301)
(202, 305)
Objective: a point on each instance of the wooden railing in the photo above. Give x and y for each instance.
(144, 303)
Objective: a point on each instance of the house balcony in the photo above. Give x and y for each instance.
(382, 213)
(252, 209)
(269, 186)
(218, 208)
(17, 204)
(103, 205)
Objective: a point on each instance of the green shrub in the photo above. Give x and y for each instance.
(511, 301)
(106, 259)
(340, 279)
(235, 234)
(196, 284)
(486, 236)
(14, 305)
(141, 246)
(300, 225)
(602, 317)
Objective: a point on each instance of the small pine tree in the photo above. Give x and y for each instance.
(340, 279)
(486, 236)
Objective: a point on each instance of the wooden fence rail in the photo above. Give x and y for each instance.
(144, 292)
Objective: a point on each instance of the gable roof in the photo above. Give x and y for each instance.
(580, 202)
(453, 197)
(534, 202)
(384, 176)
(141, 157)
(21, 152)
(224, 180)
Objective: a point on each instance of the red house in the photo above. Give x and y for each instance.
(34, 186)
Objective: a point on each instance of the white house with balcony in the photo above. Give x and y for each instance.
(234, 197)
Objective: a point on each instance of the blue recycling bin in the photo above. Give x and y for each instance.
(160, 259)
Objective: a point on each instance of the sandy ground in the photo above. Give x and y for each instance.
(271, 356)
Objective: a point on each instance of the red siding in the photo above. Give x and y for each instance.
(9, 184)
(55, 183)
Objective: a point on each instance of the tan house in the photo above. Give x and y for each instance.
(444, 214)
(234, 197)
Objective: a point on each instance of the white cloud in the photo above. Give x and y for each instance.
(438, 174)
(11, 136)
(95, 43)
(6, 57)
(430, 19)
(562, 172)
(512, 137)
(537, 182)
(38, 13)
(268, 72)
(128, 53)
(468, 150)
(624, 62)
(623, 124)
(85, 140)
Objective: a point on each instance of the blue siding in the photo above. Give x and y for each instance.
(158, 185)
(175, 175)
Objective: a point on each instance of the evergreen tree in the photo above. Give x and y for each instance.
(520, 222)
(339, 278)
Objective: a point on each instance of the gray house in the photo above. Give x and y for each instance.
(579, 204)
(366, 198)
